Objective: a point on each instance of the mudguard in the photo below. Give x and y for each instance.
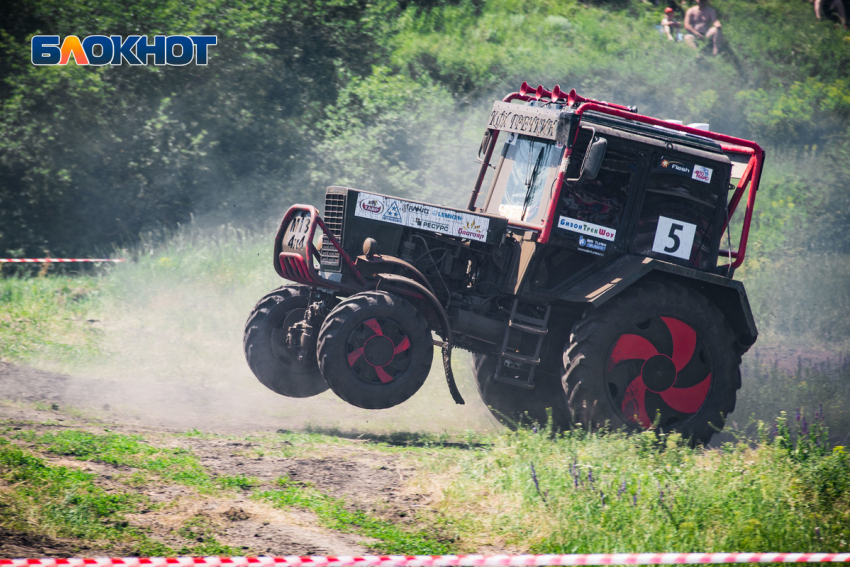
(727, 294)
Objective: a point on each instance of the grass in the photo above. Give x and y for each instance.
(62, 501)
(599, 493)
(175, 465)
(812, 388)
(199, 529)
(785, 489)
(333, 513)
(49, 317)
(92, 514)
(515, 491)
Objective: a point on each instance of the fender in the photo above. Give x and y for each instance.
(410, 288)
(376, 265)
(726, 294)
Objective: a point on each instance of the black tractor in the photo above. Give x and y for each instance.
(590, 282)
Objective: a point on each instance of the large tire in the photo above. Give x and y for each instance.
(275, 365)
(375, 350)
(513, 406)
(659, 354)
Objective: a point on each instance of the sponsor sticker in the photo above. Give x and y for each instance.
(675, 166)
(591, 246)
(430, 225)
(370, 206)
(422, 216)
(674, 238)
(702, 173)
(473, 228)
(393, 214)
(698, 172)
(587, 228)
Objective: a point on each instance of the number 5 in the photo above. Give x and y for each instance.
(674, 237)
(676, 241)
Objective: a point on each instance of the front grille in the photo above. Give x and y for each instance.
(334, 214)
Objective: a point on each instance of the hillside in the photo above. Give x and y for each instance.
(391, 96)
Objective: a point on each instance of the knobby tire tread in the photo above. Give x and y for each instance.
(333, 339)
(588, 348)
(295, 381)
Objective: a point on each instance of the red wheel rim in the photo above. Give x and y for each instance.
(659, 368)
(378, 351)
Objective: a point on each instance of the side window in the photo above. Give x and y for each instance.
(679, 211)
(591, 212)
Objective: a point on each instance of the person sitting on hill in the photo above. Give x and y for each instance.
(831, 10)
(701, 22)
(670, 25)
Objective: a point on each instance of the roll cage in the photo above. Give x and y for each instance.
(574, 107)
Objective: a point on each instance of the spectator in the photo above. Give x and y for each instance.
(702, 24)
(670, 25)
(831, 10)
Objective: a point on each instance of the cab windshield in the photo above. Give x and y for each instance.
(525, 178)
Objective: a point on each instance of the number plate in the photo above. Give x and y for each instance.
(295, 237)
(674, 238)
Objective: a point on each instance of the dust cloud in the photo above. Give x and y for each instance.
(173, 358)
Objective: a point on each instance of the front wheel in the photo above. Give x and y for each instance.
(272, 362)
(375, 350)
(659, 355)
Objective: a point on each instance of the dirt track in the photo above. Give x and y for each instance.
(367, 479)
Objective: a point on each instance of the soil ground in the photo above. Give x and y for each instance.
(367, 479)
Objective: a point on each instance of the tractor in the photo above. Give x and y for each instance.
(591, 281)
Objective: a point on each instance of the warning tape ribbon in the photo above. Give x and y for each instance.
(48, 260)
(440, 560)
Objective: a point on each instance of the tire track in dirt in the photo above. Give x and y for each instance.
(366, 479)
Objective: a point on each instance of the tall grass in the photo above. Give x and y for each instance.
(49, 317)
(812, 388)
(599, 493)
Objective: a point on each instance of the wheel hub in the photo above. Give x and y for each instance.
(378, 350)
(659, 373)
(280, 337)
(658, 366)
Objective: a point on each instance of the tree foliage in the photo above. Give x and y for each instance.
(386, 95)
(92, 156)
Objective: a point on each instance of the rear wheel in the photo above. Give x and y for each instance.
(375, 350)
(660, 354)
(513, 406)
(272, 362)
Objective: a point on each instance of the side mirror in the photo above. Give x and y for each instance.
(485, 142)
(593, 159)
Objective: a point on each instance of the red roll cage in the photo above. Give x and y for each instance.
(729, 145)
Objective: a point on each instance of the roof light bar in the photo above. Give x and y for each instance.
(572, 98)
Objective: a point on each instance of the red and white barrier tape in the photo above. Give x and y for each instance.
(49, 260)
(441, 560)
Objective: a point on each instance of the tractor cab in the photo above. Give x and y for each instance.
(595, 181)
